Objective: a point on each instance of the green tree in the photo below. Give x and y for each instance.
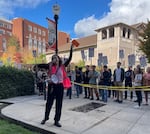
(145, 41)
(13, 41)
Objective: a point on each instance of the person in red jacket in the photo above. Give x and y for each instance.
(56, 74)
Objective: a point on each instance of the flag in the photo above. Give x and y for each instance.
(51, 34)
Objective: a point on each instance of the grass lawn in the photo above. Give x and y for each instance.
(10, 128)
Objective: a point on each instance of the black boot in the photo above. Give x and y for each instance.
(57, 124)
(44, 120)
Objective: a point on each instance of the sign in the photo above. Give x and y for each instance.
(100, 59)
(131, 59)
(105, 61)
(121, 54)
(143, 61)
(51, 34)
(91, 52)
(34, 53)
(83, 54)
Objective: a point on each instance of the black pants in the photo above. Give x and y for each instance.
(87, 91)
(139, 97)
(128, 84)
(55, 91)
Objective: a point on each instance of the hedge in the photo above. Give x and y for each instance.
(15, 82)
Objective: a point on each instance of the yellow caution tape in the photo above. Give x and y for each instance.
(121, 88)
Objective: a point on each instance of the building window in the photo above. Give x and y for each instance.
(124, 32)
(43, 33)
(35, 42)
(129, 33)
(43, 46)
(30, 42)
(29, 28)
(86, 55)
(111, 32)
(39, 31)
(2, 31)
(1, 24)
(67, 40)
(9, 33)
(34, 29)
(4, 44)
(104, 34)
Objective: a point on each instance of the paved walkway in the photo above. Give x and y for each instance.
(112, 118)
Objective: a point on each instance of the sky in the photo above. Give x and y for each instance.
(79, 18)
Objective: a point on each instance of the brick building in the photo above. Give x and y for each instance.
(5, 33)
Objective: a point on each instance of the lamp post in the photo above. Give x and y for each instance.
(56, 10)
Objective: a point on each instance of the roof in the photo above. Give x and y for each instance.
(4, 20)
(84, 42)
(120, 23)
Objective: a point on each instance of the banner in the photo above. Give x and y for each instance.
(100, 59)
(143, 61)
(83, 54)
(131, 59)
(51, 34)
(105, 61)
(91, 52)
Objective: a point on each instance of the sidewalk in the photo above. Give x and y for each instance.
(112, 118)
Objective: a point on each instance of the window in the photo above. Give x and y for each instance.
(35, 42)
(2, 31)
(1, 24)
(129, 33)
(29, 28)
(43, 33)
(67, 40)
(4, 44)
(30, 42)
(43, 46)
(104, 34)
(124, 32)
(111, 32)
(39, 46)
(39, 31)
(34, 29)
(9, 33)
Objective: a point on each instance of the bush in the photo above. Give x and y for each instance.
(14, 82)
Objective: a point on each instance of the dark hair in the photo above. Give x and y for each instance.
(60, 61)
(105, 66)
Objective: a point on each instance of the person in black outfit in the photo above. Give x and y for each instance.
(86, 81)
(55, 90)
(129, 75)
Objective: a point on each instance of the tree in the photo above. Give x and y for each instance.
(145, 41)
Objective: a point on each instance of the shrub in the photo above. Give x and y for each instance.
(14, 82)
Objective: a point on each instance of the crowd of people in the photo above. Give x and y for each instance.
(105, 77)
(89, 75)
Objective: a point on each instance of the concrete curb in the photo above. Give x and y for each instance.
(25, 125)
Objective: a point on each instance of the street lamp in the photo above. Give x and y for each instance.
(56, 10)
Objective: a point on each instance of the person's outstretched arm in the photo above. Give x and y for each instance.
(70, 57)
